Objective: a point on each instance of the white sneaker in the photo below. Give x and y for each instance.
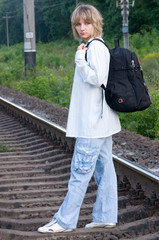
(53, 227)
(100, 224)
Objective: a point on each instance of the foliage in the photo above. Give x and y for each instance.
(14, 9)
(112, 19)
(145, 122)
(144, 16)
(145, 42)
(151, 68)
(52, 18)
(52, 78)
(146, 46)
(11, 64)
(5, 148)
(48, 88)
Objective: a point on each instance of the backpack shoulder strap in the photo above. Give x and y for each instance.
(92, 41)
(98, 39)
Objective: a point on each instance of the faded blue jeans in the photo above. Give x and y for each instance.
(90, 156)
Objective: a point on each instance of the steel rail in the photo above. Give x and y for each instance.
(51, 128)
(136, 174)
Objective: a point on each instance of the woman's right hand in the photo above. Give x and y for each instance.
(82, 47)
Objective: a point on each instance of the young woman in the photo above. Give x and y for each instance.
(92, 123)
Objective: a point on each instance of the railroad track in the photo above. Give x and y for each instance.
(34, 174)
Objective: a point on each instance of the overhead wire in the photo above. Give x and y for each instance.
(6, 1)
(54, 5)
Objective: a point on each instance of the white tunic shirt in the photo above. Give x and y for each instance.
(88, 117)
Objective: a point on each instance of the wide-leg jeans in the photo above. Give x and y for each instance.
(91, 156)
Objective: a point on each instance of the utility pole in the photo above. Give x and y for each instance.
(7, 28)
(124, 4)
(29, 33)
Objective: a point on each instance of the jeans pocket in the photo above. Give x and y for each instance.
(84, 159)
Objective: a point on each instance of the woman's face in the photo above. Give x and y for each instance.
(84, 29)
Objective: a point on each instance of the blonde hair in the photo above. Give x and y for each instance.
(88, 13)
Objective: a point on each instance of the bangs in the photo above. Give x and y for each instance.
(83, 13)
(89, 14)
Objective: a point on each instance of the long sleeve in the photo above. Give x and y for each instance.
(95, 70)
(87, 103)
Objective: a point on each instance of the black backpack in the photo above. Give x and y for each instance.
(126, 90)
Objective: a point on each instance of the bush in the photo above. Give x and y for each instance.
(144, 122)
(150, 66)
(11, 65)
(48, 88)
(145, 42)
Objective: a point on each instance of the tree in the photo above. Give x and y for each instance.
(144, 16)
(53, 18)
(14, 9)
(56, 16)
